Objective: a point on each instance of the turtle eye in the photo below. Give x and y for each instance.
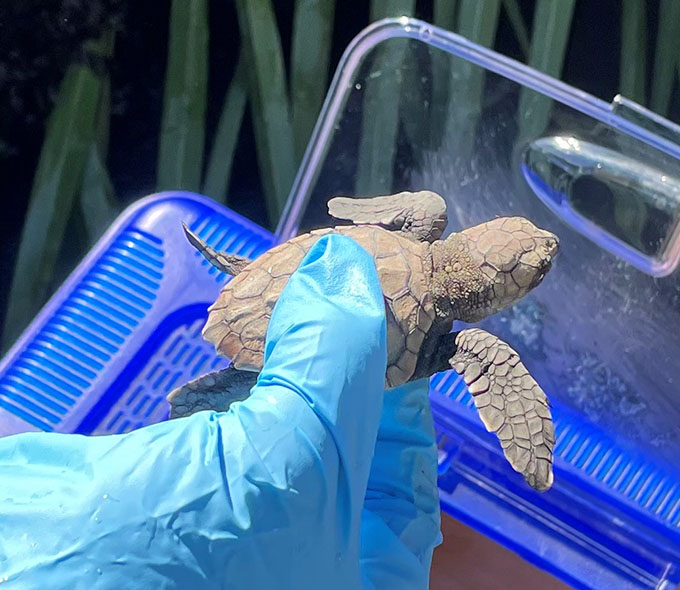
(550, 246)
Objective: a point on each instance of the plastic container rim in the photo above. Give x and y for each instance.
(458, 46)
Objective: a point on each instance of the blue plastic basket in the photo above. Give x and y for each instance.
(125, 329)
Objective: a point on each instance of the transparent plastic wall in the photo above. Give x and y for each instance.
(413, 107)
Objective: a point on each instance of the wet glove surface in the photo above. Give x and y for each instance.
(319, 480)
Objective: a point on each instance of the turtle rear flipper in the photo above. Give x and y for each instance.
(214, 391)
(230, 264)
(510, 403)
(420, 215)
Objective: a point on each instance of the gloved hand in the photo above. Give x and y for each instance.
(319, 480)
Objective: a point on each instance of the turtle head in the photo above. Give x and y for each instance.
(488, 267)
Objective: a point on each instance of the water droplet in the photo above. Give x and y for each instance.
(105, 496)
(358, 86)
(425, 33)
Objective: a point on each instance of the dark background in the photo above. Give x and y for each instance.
(38, 38)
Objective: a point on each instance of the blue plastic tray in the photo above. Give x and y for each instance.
(125, 329)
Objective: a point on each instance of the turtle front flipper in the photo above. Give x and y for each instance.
(420, 215)
(214, 391)
(510, 403)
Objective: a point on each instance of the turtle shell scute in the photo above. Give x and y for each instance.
(238, 320)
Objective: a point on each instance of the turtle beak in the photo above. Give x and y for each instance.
(549, 250)
(550, 247)
(551, 243)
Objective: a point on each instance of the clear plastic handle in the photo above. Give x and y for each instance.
(624, 205)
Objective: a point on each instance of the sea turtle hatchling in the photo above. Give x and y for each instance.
(427, 283)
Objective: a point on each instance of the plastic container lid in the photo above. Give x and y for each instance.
(414, 107)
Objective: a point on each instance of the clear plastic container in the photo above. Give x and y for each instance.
(414, 107)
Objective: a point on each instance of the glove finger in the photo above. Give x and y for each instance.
(317, 403)
(402, 497)
(326, 344)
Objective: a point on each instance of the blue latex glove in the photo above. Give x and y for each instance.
(282, 491)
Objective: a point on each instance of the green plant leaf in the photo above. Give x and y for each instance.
(551, 30)
(68, 138)
(633, 50)
(180, 155)
(391, 8)
(310, 63)
(218, 175)
(666, 57)
(444, 14)
(97, 198)
(477, 21)
(269, 101)
(518, 25)
(381, 104)
(100, 50)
